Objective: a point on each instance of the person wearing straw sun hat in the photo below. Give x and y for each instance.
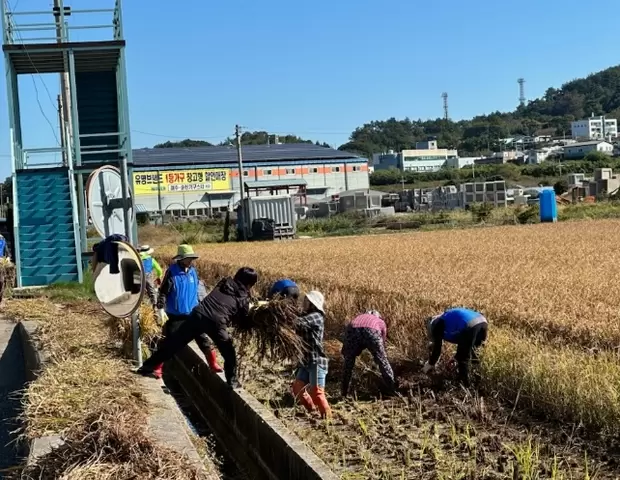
(179, 293)
(152, 271)
(312, 370)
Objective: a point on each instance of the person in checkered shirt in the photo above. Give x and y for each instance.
(366, 331)
(312, 371)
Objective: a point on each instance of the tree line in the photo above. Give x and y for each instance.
(551, 114)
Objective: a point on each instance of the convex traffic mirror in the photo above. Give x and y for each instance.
(120, 294)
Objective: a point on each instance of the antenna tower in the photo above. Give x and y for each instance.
(521, 82)
(444, 95)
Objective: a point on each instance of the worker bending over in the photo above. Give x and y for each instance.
(180, 292)
(152, 272)
(464, 327)
(366, 331)
(312, 370)
(284, 288)
(228, 303)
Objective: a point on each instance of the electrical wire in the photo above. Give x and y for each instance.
(34, 83)
(180, 138)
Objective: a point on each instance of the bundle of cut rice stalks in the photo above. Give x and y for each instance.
(7, 274)
(150, 331)
(270, 332)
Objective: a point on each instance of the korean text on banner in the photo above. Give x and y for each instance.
(182, 181)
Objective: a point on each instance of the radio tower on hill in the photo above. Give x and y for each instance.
(521, 82)
(444, 95)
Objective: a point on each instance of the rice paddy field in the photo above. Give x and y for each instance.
(548, 404)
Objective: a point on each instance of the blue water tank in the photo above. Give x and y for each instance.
(548, 206)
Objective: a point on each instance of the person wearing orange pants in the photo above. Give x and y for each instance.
(312, 370)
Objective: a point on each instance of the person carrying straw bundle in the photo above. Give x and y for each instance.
(312, 370)
(462, 326)
(366, 331)
(179, 293)
(228, 303)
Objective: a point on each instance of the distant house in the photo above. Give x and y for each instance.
(579, 150)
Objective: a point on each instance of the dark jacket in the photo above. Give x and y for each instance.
(107, 251)
(228, 303)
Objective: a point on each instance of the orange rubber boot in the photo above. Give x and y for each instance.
(319, 398)
(300, 394)
(158, 371)
(212, 361)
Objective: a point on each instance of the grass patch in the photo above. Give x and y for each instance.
(72, 291)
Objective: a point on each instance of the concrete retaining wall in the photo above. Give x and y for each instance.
(243, 424)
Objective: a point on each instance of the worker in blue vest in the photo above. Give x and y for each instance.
(152, 271)
(4, 248)
(179, 293)
(461, 326)
(284, 288)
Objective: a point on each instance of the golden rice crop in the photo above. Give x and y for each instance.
(550, 292)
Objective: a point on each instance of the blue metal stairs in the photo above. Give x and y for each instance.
(47, 247)
(97, 104)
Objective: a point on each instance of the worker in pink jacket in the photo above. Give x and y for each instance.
(366, 331)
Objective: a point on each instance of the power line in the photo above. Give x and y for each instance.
(34, 82)
(181, 138)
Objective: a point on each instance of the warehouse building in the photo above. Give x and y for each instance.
(202, 180)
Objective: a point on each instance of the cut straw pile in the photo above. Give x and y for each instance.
(111, 445)
(271, 329)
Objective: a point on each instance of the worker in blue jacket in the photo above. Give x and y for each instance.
(284, 288)
(464, 327)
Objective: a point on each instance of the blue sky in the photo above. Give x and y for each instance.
(320, 69)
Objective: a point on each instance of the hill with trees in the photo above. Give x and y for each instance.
(597, 94)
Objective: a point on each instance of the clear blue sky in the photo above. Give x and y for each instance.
(320, 69)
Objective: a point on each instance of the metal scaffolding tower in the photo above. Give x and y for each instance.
(444, 95)
(50, 210)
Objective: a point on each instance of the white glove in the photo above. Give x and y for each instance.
(161, 316)
(427, 368)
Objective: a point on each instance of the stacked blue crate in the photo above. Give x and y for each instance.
(47, 251)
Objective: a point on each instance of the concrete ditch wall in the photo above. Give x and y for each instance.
(166, 422)
(243, 424)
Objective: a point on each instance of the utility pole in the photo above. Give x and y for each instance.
(241, 194)
(59, 14)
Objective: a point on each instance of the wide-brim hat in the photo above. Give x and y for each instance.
(146, 249)
(185, 251)
(317, 299)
